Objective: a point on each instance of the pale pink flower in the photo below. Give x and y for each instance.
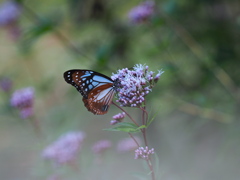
(143, 153)
(118, 118)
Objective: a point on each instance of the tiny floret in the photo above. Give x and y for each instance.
(158, 76)
(113, 122)
(118, 118)
(143, 153)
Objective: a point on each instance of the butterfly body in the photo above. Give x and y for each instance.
(96, 88)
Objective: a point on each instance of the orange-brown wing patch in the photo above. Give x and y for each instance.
(99, 99)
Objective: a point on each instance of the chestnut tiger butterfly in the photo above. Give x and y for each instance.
(96, 88)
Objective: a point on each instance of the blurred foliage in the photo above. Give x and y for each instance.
(197, 44)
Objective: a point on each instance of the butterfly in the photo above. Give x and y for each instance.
(96, 88)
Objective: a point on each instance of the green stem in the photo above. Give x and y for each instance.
(134, 139)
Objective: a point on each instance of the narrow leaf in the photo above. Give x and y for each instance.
(132, 125)
(126, 127)
(142, 127)
(151, 120)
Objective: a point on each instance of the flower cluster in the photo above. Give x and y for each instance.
(135, 84)
(142, 12)
(100, 146)
(143, 153)
(128, 144)
(118, 118)
(65, 149)
(9, 12)
(6, 84)
(23, 99)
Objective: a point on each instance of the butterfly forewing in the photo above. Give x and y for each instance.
(96, 88)
(85, 80)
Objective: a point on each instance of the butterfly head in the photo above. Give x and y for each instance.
(116, 84)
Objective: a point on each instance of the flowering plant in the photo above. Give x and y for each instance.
(132, 90)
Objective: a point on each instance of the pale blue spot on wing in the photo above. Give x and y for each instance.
(85, 75)
(95, 83)
(90, 86)
(101, 79)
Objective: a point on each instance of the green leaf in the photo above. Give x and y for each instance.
(151, 120)
(132, 125)
(33, 33)
(126, 127)
(123, 129)
(142, 127)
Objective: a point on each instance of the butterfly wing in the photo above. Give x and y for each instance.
(96, 88)
(99, 99)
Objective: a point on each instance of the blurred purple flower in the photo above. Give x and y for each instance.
(6, 84)
(9, 12)
(118, 118)
(135, 84)
(23, 99)
(143, 153)
(142, 12)
(100, 146)
(54, 177)
(128, 144)
(65, 149)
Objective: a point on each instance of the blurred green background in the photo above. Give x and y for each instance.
(196, 133)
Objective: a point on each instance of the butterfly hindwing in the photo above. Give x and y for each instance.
(96, 88)
(99, 99)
